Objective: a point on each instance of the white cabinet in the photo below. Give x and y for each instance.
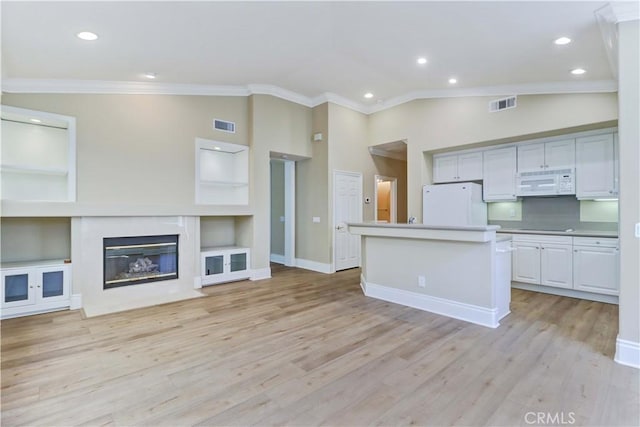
(556, 265)
(595, 265)
(499, 174)
(38, 156)
(543, 260)
(546, 155)
(526, 262)
(222, 173)
(224, 264)
(596, 167)
(31, 288)
(457, 167)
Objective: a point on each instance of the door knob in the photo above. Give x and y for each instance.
(339, 227)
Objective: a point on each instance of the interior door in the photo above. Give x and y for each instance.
(347, 207)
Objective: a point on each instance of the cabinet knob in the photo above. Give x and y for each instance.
(541, 166)
(610, 191)
(575, 250)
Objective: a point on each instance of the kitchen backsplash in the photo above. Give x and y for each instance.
(555, 213)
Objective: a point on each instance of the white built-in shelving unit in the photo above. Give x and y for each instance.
(222, 173)
(38, 156)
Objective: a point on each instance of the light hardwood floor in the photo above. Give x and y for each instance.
(306, 348)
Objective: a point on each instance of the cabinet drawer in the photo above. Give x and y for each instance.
(540, 238)
(605, 242)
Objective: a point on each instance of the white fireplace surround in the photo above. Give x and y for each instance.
(87, 255)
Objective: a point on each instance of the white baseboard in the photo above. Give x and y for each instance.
(627, 353)
(75, 303)
(609, 299)
(314, 266)
(467, 312)
(277, 258)
(197, 282)
(260, 273)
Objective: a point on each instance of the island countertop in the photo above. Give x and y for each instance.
(468, 233)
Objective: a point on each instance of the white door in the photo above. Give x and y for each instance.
(595, 168)
(470, 166)
(595, 269)
(347, 207)
(531, 157)
(556, 266)
(499, 174)
(560, 154)
(526, 262)
(445, 168)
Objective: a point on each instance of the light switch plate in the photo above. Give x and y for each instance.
(638, 230)
(316, 219)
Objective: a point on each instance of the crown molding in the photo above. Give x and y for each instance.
(601, 86)
(153, 88)
(342, 101)
(288, 95)
(117, 87)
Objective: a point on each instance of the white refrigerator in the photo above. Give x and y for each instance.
(456, 204)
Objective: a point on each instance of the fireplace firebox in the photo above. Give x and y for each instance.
(140, 259)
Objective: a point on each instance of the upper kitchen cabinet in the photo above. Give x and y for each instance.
(457, 167)
(38, 156)
(596, 175)
(546, 156)
(499, 174)
(222, 173)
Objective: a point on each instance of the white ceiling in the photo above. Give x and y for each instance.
(311, 48)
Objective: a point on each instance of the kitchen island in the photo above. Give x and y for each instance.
(461, 272)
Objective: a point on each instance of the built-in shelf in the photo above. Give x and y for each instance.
(39, 156)
(222, 173)
(33, 170)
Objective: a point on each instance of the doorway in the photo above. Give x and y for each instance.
(385, 199)
(283, 189)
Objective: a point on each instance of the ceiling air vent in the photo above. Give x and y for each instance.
(502, 104)
(224, 125)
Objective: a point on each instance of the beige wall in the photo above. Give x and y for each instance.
(436, 124)
(280, 126)
(313, 240)
(139, 149)
(33, 239)
(277, 207)
(629, 138)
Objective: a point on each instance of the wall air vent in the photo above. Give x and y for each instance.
(224, 125)
(502, 104)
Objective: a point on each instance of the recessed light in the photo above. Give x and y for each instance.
(562, 40)
(368, 95)
(87, 35)
(36, 120)
(453, 80)
(421, 61)
(578, 71)
(150, 75)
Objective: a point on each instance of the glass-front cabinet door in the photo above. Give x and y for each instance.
(53, 284)
(17, 288)
(213, 264)
(238, 261)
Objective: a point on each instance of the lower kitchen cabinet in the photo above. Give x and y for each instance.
(595, 265)
(543, 260)
(31, 288)
(224, 264)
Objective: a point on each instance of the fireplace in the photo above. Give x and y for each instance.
(141, 259)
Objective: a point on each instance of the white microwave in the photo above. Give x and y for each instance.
(546, 183)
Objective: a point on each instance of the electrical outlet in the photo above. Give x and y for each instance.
(638, 230)
(281, 219)
(315, 219)
(422, 281)
(512, 213)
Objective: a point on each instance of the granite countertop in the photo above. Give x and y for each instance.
(569, 232)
